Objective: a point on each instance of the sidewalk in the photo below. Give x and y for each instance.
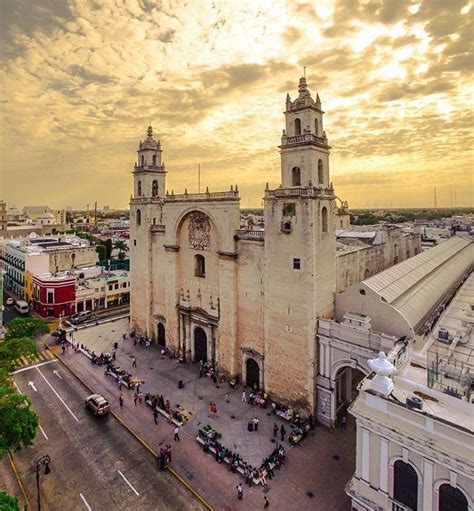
(310, 467)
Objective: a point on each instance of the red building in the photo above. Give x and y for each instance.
(54, 295)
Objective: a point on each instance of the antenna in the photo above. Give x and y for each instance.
(199, 178)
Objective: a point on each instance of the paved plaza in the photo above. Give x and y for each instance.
(315, 471)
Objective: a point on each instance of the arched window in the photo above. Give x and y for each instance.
(154, 188)
(297, 126)
(316, 127)
(139, 188)
(296, 176)
(320, 172)
(154, 159)
(139, 217)
(199, 265)
(324, 219)
(143, 160)
(405, 485)
(452, 499)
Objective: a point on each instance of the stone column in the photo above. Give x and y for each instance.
(365, 449)
(383, 484)
(427, 484)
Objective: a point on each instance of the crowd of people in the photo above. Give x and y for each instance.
(236, 463)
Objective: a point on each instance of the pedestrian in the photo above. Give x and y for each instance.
(134, 362)
(255, 424)
(140, 397)
(120, 382)
(124, 336)
(344, 422)
(155, 415)
(135, 398)
(282, 433)
(137, 387)
(275, 430)
(214, 379)
(244, 397)
(226, 397)
(240, 491)
(63, 349)
(210, 410)
(214, 409)
(176, 434)
(114, 355)
(134, 341)
(261, 478)
(121, 400)
(168, 453)
(266, 502)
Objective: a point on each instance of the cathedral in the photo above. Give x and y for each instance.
(247, 300)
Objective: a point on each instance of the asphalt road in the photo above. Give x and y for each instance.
(95, 463)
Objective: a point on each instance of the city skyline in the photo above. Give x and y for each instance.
(82, 81)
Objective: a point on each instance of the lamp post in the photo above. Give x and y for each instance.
(44, 461)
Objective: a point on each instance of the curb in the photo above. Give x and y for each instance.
(139, 439)
(20, 483)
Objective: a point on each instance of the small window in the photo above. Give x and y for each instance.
(297, 126)
(296, 176)
(199, 265)
(154, 159)
(154, 188)
(139, 188)
(320, 172)
(316, 127)
(324, 219)
(139, 217)
(134, 243)
(296, 263)
(143, 160)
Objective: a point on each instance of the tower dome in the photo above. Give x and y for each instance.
(150, 142)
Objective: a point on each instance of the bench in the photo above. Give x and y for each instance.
(165, 414)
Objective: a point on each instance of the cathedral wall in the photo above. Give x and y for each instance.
(250, 299)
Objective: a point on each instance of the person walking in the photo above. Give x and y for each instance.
(266, 502)
(155, 415)
(121, 400)
(226, 397)
(255, 423)
(240, 491)
(135, 398)
(140, 397)
(244, 397)
(275, 430)
(63, 349)
(134, 361)
(214, 409)
(168, 453)
(344, 422)
(282, 433)
(176, 434)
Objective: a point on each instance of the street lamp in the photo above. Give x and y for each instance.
(44, 461)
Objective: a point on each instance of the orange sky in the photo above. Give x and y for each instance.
(81, 80)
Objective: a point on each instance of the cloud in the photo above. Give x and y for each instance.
(82, 80)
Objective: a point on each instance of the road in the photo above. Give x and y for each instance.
(96, 464)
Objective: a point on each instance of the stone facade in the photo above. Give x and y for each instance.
(247, 300)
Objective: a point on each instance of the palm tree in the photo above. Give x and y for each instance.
(121, 246)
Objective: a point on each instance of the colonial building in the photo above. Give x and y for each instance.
(248, 300)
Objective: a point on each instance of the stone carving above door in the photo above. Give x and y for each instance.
(199, 231)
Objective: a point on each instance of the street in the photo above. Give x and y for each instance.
(95, 463)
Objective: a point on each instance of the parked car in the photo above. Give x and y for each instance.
(80, 317)
(10, 301)
(97, 404)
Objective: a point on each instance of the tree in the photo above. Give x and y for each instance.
(26, 327)
(8, 502)
(121, 246)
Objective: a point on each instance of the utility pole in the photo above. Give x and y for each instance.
(95, 216)
(435, 199)
(199, 178)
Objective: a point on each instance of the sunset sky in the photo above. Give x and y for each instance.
(81, 81)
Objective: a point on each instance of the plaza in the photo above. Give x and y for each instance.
(309, 469)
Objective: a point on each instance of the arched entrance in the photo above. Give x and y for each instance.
(161, 335)
(346, 382)
(252, 373)
(200, 345)
(405, 485)
(452, 499)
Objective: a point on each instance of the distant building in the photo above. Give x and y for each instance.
(3, 219)
(33, 212)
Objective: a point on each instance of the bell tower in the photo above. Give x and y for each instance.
(300, 253)
(304, 146)
(149, 172)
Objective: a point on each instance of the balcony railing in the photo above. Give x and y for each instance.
(156, 168)
(301, 139)
(206, 196)
(309, 191)
(158, 228)
(396, 506)
(246, 234)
